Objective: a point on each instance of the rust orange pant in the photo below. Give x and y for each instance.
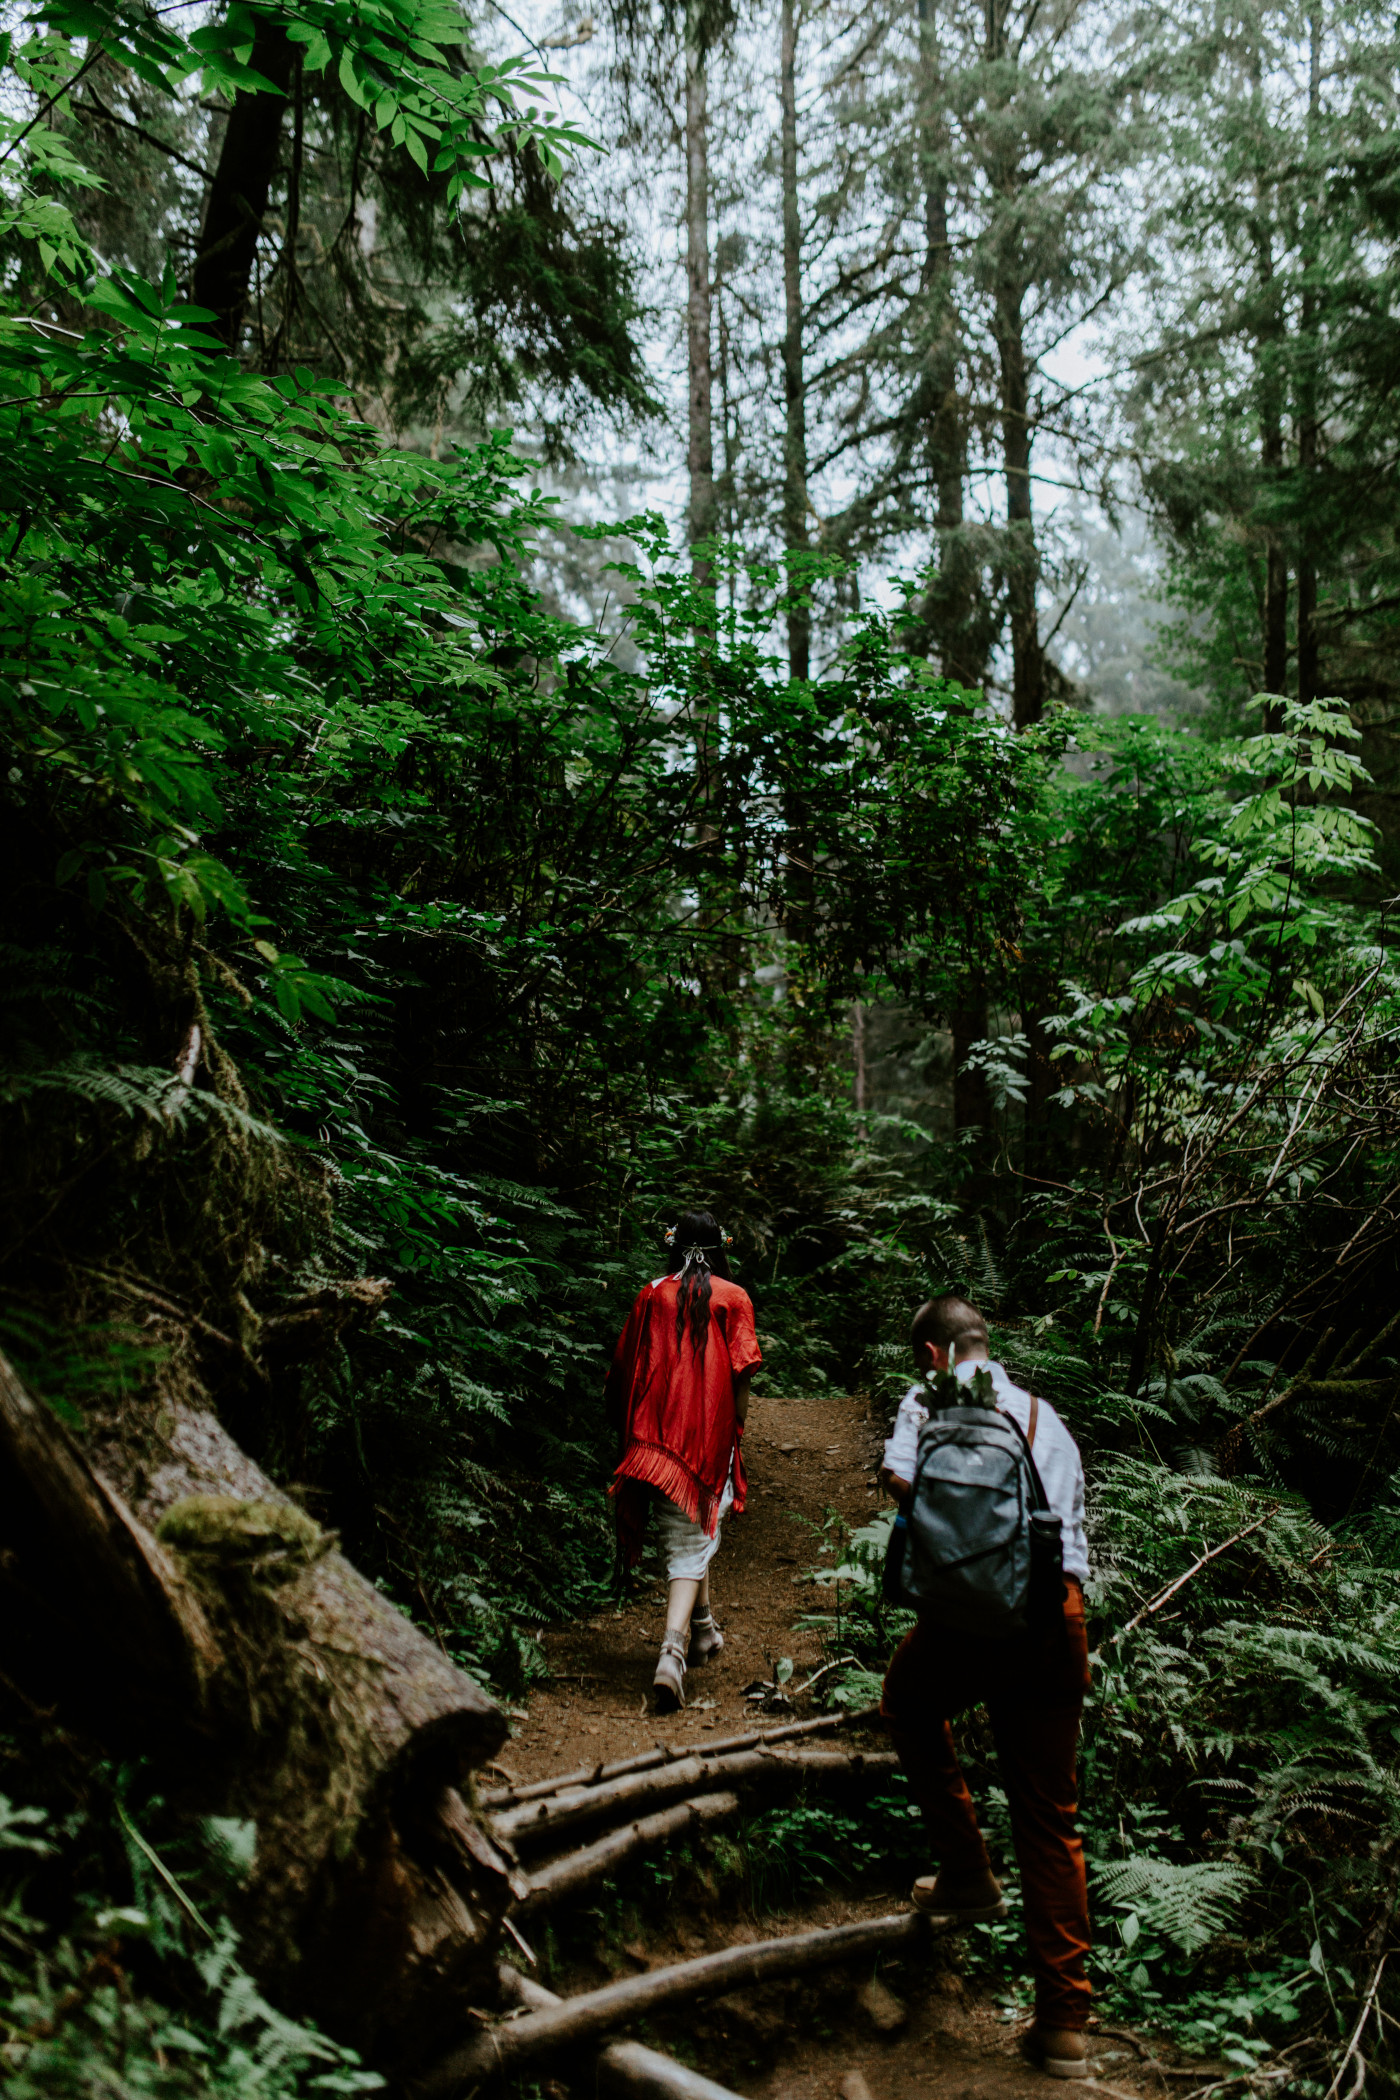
(1033, 1690)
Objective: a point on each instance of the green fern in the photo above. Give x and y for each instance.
(1190, 1905)
(146, 1093)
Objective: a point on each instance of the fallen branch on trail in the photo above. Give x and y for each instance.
(576, 2020)
(623, 2067)
(560, 1877)
(666, 1753)
(691, 1775)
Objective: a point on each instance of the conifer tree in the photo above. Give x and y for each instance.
(1261, 408)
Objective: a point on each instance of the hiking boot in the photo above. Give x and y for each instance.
(705, 1637)
(1057, 2051)
(963, 1899)
(669, 1681)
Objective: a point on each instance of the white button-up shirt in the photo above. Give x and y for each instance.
(1055, 1453)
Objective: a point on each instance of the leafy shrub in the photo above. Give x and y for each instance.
(102, 1991)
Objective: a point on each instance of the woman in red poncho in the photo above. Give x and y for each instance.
(678, 1393)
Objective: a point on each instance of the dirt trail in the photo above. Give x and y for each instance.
(801, 1456)
(797, 2040)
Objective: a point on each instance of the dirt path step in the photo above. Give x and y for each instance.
(802, 1458)
(803, 2040)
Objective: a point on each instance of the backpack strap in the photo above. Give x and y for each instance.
(1037, 1482)
(1035, 1417)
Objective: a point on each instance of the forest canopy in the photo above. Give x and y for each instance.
(943, 825)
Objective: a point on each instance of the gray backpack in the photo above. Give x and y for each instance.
(983, 1552)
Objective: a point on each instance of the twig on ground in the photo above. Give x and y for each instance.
(1353, 2048)
(837, 1663)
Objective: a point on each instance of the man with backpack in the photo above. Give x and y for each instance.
(990, 1548)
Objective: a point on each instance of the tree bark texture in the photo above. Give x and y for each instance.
(1022, 563)
(717, 965)
(558, 1878)
(299, 1697)
(667, 1754)
(536, 1822)
(576, 2020)
(953, 613)
(799, 623)
(1275, 610)
(74, 1553)
(236, 206)
(622, 2067)
(800, 871)
(1307, 411)
(700, 458)
(972, 1105)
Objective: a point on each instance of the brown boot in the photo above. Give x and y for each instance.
(963, 1899)
(1058, 2051)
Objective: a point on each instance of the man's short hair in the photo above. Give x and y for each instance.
(944, 1321)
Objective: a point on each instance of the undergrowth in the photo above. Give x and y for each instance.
(119, 1969)
(1238, 1774)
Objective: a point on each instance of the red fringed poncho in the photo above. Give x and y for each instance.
(676, 1411)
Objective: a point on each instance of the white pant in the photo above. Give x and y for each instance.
(688, 1551)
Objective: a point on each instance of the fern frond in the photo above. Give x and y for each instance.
(1189, 1905)
(140, 1092)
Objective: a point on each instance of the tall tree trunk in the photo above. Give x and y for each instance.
(951, 609)
(1307, 417)
(1269, 344)
(799, 885)
(1307, 565)
(724, 491)
(717, 967)
(1023, 568)
(1276, 558)
(956, 616)
(1022, 563)
(701, 451)
(972, 1101)
(237, 202)
(799, 624)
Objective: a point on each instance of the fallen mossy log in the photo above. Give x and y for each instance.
(159, 1561)
(622, 2067)
(537, 1821)
(667, 1753)
(576, 2020)
(574, 1870)
(75, 1554)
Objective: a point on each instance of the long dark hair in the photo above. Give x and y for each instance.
(697, 1253)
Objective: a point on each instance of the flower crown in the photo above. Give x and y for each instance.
(726, 1239)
